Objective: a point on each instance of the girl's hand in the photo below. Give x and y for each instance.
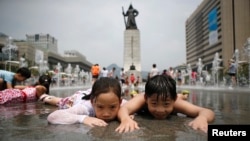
(127, 125)
(199, 123)
(92, 121)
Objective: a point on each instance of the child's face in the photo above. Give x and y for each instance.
(106, 106)
(19, 78)
(159, 108)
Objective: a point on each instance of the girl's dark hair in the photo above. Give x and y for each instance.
(162, 85)
(104, 85)
(44, 80)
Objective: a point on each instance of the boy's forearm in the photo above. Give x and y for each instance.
(208, 114)
(123, 114)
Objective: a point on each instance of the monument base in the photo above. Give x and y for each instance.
(132, 49)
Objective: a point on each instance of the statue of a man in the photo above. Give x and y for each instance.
(131, 14)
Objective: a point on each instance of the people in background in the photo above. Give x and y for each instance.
(122, 76)
(154, 71)
(95, 71)
(104, 72)
(232, 72)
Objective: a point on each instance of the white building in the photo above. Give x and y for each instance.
(45, 41)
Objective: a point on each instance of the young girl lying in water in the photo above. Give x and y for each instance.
(160, 101)
(98, 108)
(66, 102)
(22, 94)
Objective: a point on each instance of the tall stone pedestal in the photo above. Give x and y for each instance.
(132, 51)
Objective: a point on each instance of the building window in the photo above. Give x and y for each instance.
(37, 37)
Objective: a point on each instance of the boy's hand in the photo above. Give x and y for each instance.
(92, 121)
(199, 123)
(127, 125)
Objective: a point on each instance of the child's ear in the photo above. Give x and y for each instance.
(120, 101)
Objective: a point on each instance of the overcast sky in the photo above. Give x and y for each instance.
(95, 28)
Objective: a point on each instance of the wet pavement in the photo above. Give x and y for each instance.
(27, 121)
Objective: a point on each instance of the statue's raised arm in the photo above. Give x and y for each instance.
(130, 14)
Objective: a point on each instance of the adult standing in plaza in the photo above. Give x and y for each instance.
(193, 77)
(232, 72)
(122, 76)
(131, 14)
(171, 72)
(95, 71)
(154, 71)
(9, 79)
(112, 73)
(104, 72)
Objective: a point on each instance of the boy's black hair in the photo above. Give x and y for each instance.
(162, 85)
(25, 72)
(104, 85)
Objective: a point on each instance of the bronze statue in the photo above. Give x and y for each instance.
(131, 14)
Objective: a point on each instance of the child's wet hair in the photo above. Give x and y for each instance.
(105, 85)
(45, 80)
(162, 85)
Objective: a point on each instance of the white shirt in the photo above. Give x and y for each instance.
(154, 72)
(104, 73)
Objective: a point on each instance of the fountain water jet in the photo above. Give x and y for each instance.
(58, 67)
(189, 70)
(76, 74)
(215, 68)
(199, 69)
(23, 62)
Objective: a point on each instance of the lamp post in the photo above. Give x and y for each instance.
(247, 49)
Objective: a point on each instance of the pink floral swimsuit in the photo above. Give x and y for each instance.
(8, 96)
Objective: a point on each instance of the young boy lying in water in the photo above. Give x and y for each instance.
(160, 100)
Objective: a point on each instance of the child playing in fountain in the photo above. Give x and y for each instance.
(96, 109)
(21, 94)
(66, 102)
(160, 100)
(8, 79)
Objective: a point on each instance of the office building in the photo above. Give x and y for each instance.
(217, 26)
